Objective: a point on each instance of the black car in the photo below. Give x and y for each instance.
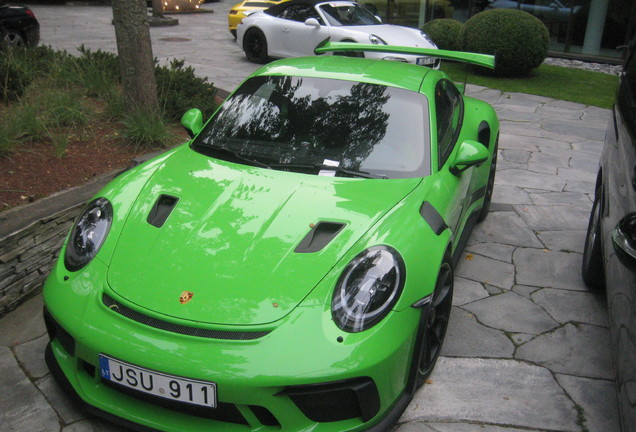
(18, 26)
(609, 258)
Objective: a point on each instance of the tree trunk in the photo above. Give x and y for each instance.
(136, 63)
(157, 8)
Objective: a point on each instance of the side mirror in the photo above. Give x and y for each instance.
(379, 19)
(469, 154)
(312, 22)
(192, 121)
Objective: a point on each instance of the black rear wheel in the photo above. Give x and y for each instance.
(435, 323)
(592, 267)
(491, 184)
(255, 46)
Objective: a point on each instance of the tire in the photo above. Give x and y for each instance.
(12, 39)
(255, 46)
(592, 267)
(490, 186)
(435, 323)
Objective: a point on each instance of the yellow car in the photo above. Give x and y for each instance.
(237, 13)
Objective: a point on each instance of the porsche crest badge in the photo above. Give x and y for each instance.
(185, 297)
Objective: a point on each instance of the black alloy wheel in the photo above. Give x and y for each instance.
(436, 322)
(592, 267)
(255, 46)
(491, 184)
(12, 39)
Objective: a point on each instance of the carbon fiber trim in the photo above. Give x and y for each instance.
(178, 328)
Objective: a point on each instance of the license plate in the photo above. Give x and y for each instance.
(202, 393)
(425, 61)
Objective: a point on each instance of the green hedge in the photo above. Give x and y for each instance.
(518, 40)
(445, 33)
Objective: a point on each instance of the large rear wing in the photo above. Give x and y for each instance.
(464, 57)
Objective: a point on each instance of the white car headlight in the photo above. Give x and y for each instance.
(367, 289)
(88, 234)
(428, 39)
(376, 40)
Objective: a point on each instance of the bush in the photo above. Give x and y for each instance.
(145, 131)
(179, 90)
(518, 40)
(444, 32)
(96, 71)
(20, 66)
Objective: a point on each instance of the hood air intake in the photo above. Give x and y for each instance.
(161, 210)
(319, 237)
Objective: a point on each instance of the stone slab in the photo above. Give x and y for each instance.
(512, 313)
(31, 357)
(573, 306)
(596, 399)
(486, 270)
(564, 241)
(505, 228)
(23, 324)
(465, 337)
(467, 291)
(553, 217)
(546, 268)
(495, 392)
(582, 350)
(23, 406)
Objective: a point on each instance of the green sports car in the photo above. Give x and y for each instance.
(288, 269)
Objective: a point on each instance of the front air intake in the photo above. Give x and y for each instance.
(161, 210)
(320, 235)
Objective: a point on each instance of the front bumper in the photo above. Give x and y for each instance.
(293, 378)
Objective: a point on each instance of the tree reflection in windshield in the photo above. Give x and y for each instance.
(299, 120)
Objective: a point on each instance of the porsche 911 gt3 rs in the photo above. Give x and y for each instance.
(289, 268)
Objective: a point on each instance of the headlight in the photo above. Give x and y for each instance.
(428, 39)
(367, 289)
(88, 234)
(376, 40)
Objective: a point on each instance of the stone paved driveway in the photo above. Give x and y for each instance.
(528, 344)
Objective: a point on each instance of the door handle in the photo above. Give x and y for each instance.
(285, 30)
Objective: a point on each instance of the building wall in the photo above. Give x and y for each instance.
(585, 29)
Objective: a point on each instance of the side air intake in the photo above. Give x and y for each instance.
(320, 235)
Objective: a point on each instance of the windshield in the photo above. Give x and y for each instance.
(304, 124)
(348, 14)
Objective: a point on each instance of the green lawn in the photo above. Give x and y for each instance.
(575, 85)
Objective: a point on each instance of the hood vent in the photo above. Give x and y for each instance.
(161, 210)
(319, 237)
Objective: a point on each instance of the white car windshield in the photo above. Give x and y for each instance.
(301, 124)
(348, 14)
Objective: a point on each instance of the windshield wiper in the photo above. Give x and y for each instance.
(341, 170)
(224, 150)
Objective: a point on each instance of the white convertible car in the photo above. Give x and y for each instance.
(294, 28)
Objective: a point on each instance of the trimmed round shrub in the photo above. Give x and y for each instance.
(518, 40)
(444, 32)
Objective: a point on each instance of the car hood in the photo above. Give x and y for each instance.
(394, 35)
(231, 238)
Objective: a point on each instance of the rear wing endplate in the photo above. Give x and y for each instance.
(484, 60)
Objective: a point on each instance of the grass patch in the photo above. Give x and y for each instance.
(557, 82)
(52, 97)
(143, 130)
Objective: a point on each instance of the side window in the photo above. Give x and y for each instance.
(449, 108)
(299, 12)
